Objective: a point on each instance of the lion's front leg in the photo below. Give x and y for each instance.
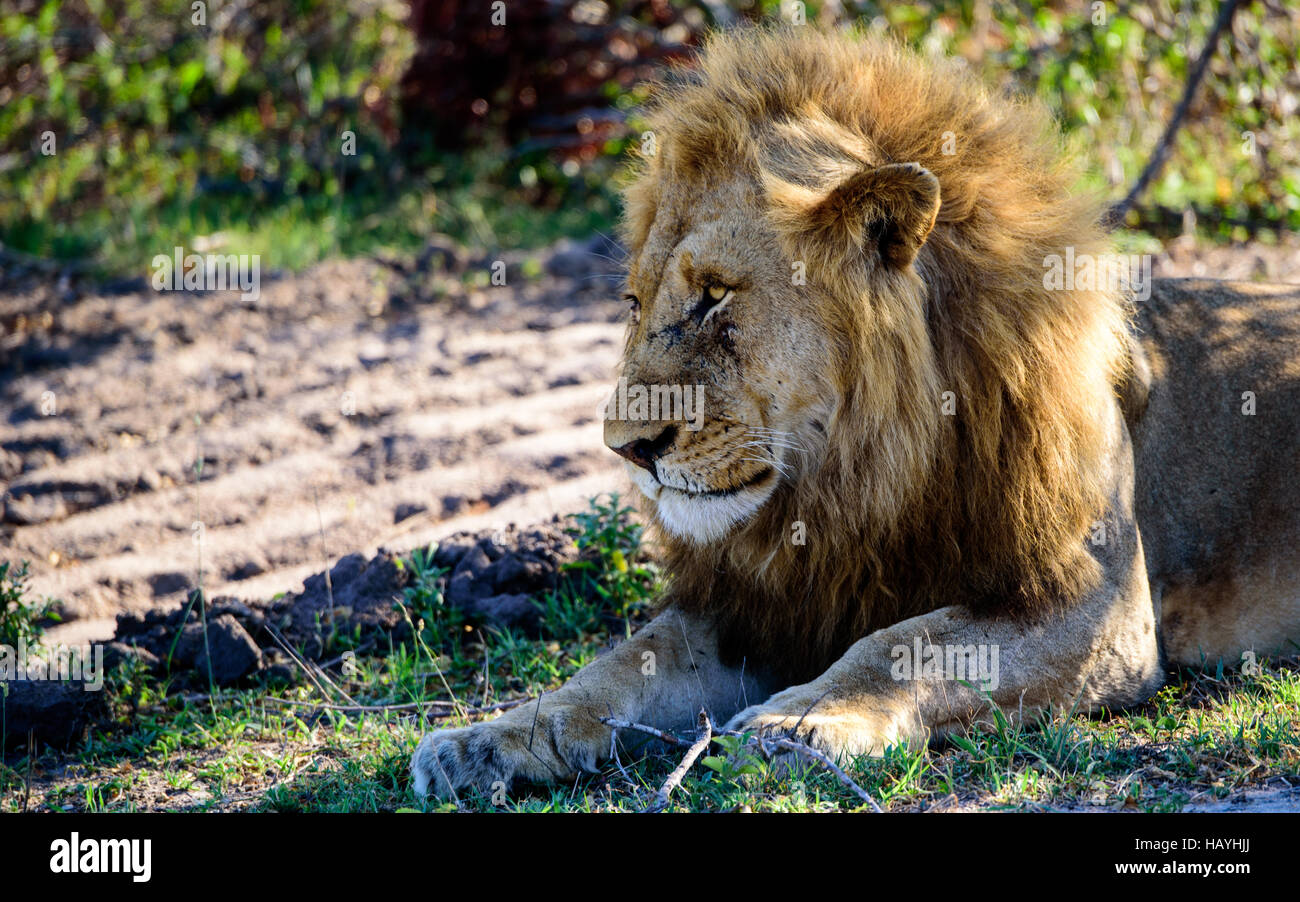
(660, 677)
(941, 672)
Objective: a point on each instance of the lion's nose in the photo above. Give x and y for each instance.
(644, 452)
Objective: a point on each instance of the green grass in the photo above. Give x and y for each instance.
(1200, 739)
(274, 747)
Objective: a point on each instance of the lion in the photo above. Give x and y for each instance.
(917, 450)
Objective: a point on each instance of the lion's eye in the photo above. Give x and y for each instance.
(634, 307)
(712, 299)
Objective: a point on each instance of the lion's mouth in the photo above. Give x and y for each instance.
(754, 481)
(707, 515)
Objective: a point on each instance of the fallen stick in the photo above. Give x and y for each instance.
(642, 728)
(787, 743)
(675, 778)
(406, 706)
(807, 752)
(302, 663)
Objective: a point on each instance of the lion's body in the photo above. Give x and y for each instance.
(911, 437)
(1217, 455)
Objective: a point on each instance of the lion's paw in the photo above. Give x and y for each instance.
(837, 734)
(551, 745)
(774, 722)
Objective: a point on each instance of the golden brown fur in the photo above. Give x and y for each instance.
(928, 509)
(907, 439)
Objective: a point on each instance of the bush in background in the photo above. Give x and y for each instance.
(230, 132)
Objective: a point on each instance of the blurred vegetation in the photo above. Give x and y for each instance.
(230, 132)
(22, 618)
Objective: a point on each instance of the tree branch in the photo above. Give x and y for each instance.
(1115, 215)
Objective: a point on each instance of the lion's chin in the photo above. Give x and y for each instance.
(701, 518)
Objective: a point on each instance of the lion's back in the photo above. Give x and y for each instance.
(1217, 453)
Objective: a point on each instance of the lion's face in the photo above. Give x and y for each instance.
(721, 383)
(747, 328)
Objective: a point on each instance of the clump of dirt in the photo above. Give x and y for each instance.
(492, 576)
(50, 712)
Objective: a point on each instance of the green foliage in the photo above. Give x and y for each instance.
(607, 529)
(424, 598)
(1112, 76)
(610, 584)
(735, 761)
(229, 135)
(20, 620)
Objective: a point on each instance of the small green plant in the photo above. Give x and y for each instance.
(607, 528)
(423, 597)
(20, 621)
(735, 762)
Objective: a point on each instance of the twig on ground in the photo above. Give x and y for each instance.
(312, 670)
(761, 743)
(408, 706)
(613, 748)
(642, 728)
(807, 752)
(675, 778)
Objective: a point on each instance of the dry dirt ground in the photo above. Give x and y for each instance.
(355, 406)
(359, 405)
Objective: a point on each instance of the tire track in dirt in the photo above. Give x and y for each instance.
(330, 419)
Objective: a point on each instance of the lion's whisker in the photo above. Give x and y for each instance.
(768, 446)
(775, 464)
(775, 443)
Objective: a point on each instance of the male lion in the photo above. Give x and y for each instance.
(910, 442)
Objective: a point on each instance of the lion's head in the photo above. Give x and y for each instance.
(843, 244)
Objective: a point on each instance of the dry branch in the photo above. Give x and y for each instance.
(675, 778)
(662, 735)
(763, 744)
(808, 753)
(1115, 215)
(408, 706)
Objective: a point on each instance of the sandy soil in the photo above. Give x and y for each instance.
(341, 412)
(359, 405)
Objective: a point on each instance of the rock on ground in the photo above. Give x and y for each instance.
(52, 712)
(493, 577)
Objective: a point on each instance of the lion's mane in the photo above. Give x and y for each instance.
(905, 508)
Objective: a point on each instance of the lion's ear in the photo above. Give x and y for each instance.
(889, 208)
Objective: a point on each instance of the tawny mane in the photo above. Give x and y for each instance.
(906, 508)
